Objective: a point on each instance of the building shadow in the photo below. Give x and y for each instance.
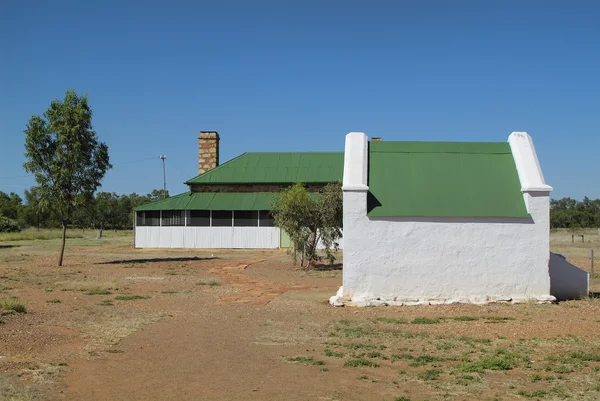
(325, 267)
(153, 260)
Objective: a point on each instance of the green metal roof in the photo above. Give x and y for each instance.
(214, 201)
(443, 179)
(276, 168)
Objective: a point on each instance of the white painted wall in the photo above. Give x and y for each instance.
(567, 281)
(442, 259)
(207, 237)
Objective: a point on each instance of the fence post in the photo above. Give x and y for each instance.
(592, 254)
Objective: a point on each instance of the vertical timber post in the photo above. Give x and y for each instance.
(592, 257)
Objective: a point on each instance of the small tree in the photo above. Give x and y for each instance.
(310, 220)
(65, 156)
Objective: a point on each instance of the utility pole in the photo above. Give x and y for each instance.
(163, 157)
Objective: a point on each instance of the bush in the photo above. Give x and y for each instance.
(13, 305)
(8, 225)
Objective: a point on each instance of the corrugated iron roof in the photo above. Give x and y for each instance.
(276, 168)
(214, 201)
(443, 179)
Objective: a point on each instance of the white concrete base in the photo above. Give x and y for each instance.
(340, 300)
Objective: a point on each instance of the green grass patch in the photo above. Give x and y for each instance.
(375, 354)
(533, 394)
(13, 304)
(389, 320)
(431, 374)
(465, 380)
(534, 378)
(168, 292)
(487, 363)
(360, 362)
(422, 360)
(36, 235)
(98, 292)
(499, 318)
(131, 297)
(396, 357)
(356, 346)
(106, 302)
(355, 332)
(426, 320)
(334, 354)
(559, 368)
(210, 283)
(466, 318)
(583, 356)
(54, 301)
(305, 360)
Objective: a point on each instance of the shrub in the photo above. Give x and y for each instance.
(8, 225)
(14, 305)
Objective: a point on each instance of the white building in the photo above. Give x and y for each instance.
(432, 222)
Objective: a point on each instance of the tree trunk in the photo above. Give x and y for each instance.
(99, 235)
(64, 240)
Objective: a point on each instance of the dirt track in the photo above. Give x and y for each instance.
(226, 326)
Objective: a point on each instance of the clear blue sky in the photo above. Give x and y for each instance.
(298, 76)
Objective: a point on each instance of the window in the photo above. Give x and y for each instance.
(173, 218)
(245, 218)
(221, 218)
(150, 218)
(266, 218)
(199, 218)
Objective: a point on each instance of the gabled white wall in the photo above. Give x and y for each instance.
(413, 260)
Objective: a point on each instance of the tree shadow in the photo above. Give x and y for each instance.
(8, 246)
(594, 294)
(152, 260)
(325, 267)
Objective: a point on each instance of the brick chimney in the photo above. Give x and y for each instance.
(208, 151)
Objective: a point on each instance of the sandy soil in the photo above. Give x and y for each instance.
(225, 326)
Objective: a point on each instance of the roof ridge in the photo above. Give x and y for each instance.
(216, 168)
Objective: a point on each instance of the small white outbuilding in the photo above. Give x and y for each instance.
(445, 222)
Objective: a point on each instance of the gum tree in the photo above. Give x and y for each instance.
(311, 220)
(64, 154)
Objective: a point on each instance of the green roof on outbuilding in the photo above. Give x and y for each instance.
(213, 201)
(443, 179)
(276, 168)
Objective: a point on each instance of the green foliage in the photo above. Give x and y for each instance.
(487, 363)
(425, 320)
(309, 220)
(10, 205)
(570, 213)
(65, 156)
(360, 362)
(8, 225)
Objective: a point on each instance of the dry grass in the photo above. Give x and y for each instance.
(13, 304)
(458, 366)
(12, 390)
